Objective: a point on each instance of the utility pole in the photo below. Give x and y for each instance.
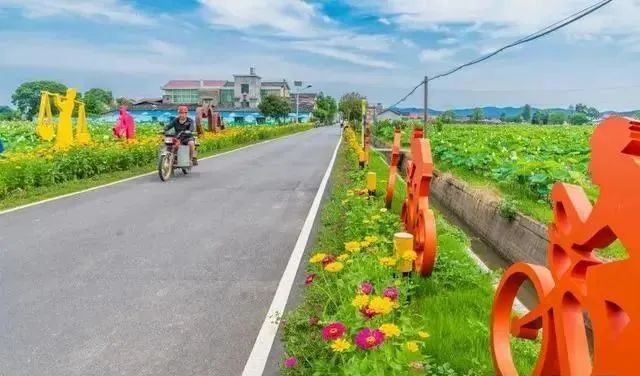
(426, 103)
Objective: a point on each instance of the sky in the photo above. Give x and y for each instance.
(380, 49)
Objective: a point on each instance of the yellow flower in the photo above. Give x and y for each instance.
(343, 257)
(388, 261)
(360, 301)
(334, 267)
(381, 305)
(318, 257)
(397, 282)
(365, 244)
(423, 334)
(412, 346)
(352, 247)
(409, 256)
(349, 193)
(371, 239)
(340, 345)
(376, 217)
(383, 210)
(390, 330)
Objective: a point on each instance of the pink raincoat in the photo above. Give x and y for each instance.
(125, 125)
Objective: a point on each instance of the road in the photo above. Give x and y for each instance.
(151, 278)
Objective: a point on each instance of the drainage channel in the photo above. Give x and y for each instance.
(485, 252)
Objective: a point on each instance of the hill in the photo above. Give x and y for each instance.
(495, 112)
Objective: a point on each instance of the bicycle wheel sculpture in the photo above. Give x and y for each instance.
(577, 281)
(416, 215)
(393, 168)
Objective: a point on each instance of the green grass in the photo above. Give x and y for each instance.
(453, 305)
(25, 197)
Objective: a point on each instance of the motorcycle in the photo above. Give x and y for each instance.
(170, 159)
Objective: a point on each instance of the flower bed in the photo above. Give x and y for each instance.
(361, 317)
(44, 166)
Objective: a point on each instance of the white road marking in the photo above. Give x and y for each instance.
(262, 347)
(517, 304)
(137, 176)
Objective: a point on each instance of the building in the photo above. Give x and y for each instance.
(245, 91)
(389, 114)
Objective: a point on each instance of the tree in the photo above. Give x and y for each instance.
(638, 115)
(7, 113)
(98, 101)
(477, 115)
(503, 117)
(526, 113)
(540, 117)
(557, 118)
(591, 112)
(447, 117)
(275, 106)
(27, 96)
(351, 106)
(326, 109)
(122, 101)
(578, 119)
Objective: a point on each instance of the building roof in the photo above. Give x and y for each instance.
(194, 84)
(278, 84)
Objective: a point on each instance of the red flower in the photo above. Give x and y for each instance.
(369, 338)
(328, 260)
(391, 293)
(366, 288)
(333, 331)
(309, 279)
(366, 312)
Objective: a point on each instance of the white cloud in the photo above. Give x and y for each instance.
(384, 21)
(516, 17)
(341, 54)
(294, 17)
(433, 55)
(114, 11)
(409, 43)
(448, 41)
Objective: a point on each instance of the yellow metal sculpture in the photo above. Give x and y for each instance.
(63, 132)
(44, 126)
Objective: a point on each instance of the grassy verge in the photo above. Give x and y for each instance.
(437, 325)
(27, 196)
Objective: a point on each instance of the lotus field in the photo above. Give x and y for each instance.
(30, 163)
(528, 157)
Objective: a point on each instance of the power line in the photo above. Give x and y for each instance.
(531, 37)
(538, 34)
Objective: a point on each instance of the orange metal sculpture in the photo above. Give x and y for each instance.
(416, 215)
(578, 281)
(393, 168)
(215, 122)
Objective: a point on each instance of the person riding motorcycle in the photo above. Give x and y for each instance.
(184, 124)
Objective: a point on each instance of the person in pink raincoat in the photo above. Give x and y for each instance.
(125, 125)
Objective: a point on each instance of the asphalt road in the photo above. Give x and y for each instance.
(151, 278)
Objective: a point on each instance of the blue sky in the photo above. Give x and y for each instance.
(378, 48)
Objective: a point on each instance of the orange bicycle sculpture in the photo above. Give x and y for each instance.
(578, 281)
(393, 169)
(416, 215)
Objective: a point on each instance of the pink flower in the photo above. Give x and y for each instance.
(366, 312)
(328, 260)
(313, 320)
(333, 331)
(369, 338)
(290, 362)
(391, 293)
(366, 288)
(309, 279)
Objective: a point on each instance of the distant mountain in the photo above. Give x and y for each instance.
(495, 112)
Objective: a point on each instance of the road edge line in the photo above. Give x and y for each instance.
(257, 360)
(71, 194)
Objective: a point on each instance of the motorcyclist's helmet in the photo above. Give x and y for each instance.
(183, 110)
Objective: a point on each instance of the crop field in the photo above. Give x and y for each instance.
(529, 157)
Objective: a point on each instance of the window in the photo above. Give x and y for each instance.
(226, 96)
(244, 88)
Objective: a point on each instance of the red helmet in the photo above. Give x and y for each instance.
(183, 109)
